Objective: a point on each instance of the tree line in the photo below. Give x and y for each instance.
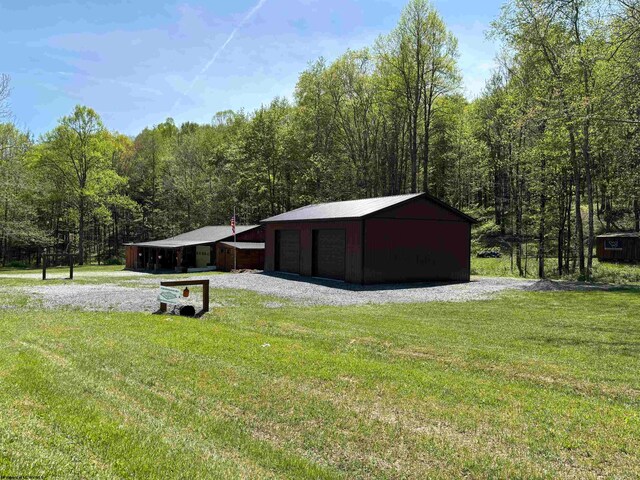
(546, 157)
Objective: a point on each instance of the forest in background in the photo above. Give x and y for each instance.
(546, 157)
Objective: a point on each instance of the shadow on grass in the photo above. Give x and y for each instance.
(538, 286)
(627, 347)
(576, 286)
(199, 314)
(171, 271)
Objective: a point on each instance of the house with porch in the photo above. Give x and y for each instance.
(190, 251)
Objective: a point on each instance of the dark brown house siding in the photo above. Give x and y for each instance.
(131, 256)
(623, 248)
(253, 235)
(245, 259)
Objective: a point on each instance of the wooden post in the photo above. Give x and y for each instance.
(205, 296)
(70, 267)
(44, 267)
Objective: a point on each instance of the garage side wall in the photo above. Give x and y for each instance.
(353, 236)
(409, 250)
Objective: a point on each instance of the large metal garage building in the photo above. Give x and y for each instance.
(403, 238)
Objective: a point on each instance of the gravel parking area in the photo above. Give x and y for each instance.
(326, 292)
(94, 297)
(299, 290)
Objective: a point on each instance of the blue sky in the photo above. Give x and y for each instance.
(137, 63)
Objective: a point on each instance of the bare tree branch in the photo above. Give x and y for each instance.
(5, 91)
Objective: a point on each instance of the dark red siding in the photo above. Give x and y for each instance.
(352, 228)
(416, 250)
(417, 241)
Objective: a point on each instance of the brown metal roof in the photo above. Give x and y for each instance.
(200, 236)
(352, 209)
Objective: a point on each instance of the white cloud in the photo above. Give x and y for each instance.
(220, 49)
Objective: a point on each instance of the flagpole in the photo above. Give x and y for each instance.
(235, 249)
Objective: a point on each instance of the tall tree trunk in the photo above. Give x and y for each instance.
(413, 151)
(578, 206)
(518, 212)
(541, 229)
(586, 152)
(560, 247)
(116, 236)
(427, 109)
(5, 240)
(152, 216)
(562, 222)
(497, 205)
(567, 252)
(81, 226)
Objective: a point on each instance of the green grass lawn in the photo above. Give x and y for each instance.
(492, 267)
(86, 275)
(605, 272)
(530, 385)
(64, 270)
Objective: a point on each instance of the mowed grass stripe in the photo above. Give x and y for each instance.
(534, 385)
(303, 407)
(137, 427)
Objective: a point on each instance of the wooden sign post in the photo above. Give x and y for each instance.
(46, 256)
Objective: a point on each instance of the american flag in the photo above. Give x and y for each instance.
(233, 224)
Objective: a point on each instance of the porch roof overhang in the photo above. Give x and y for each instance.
(170, 244)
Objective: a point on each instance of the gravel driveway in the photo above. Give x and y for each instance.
(94, 297)
(300, 290)
(311, 291)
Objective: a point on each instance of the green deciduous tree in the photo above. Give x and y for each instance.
(77, 156)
